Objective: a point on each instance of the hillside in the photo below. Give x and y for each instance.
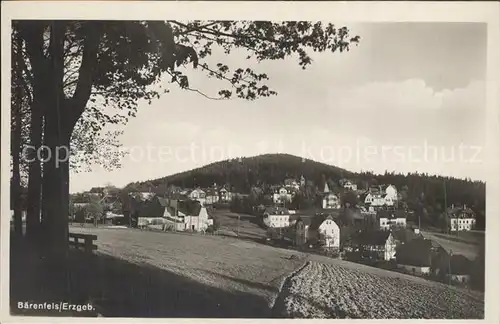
(425, 194)
(242, 174)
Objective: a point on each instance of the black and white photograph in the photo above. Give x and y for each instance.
(226, 167)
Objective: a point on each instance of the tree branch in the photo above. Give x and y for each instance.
(204, 29)
(197, 91)
(86, 72)
(190, 29)
(32, 33)
(204, 95)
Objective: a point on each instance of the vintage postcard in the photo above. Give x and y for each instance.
(180, 160)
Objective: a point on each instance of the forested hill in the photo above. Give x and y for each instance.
(241, 174)
(420, 190)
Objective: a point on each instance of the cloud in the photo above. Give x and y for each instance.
(409, 110)
(410, 95)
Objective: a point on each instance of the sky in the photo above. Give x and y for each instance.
(410, 97)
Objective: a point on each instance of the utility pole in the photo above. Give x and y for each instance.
(238, 228)
(449, 265)
(446, 206)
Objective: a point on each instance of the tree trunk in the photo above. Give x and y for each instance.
(16, 159)
(45, 188)
(56, 192)
(58, 129)
(35, 177)
(16, 121)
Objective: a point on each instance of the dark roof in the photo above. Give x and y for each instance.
(210, 191)
(355, 214)
(371, 237)
(400, 213)
(384, 213)
(163, 201)
(461, 212)
(189, 207)
(317, 220)
(272, 210)
(416, 252)
(302, 218)
(335, 213)
(460, 265)
(404, 235)
(328, 211)
(178, 196)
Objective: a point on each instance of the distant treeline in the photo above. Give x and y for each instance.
(423, 193)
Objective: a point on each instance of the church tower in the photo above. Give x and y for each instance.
(326, 189)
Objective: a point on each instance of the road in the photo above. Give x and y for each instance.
(465, 246)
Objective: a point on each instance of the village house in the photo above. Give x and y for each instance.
(276, 217)
(349, 185)
(195, 215)
(186, 215)
(282, 195)
(461, 218)
(317, 229)
(329, 199)
(173, 221)
(358, 219)
(378, 245)
(292, 183)
(460, 269)
(225, 196)
(143, 196)
(80, 205)
(114, 219)
(421, 256)
(151, 212)
(198, 195)
(328, 232)
(415, 256)
(370, 220)
(212, 196)
(302, 230)
(179, 215)
(372, 198)
(89, 194)
(404, 235)
(391, 195)
(379, 197)
(177, 196)
(450, 267)
(391, 218)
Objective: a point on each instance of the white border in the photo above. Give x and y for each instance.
(329, 11)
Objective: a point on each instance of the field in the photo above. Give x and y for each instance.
(214, 276)
(465, 243)
(239, 278)
(337, 290)
(245, 227)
